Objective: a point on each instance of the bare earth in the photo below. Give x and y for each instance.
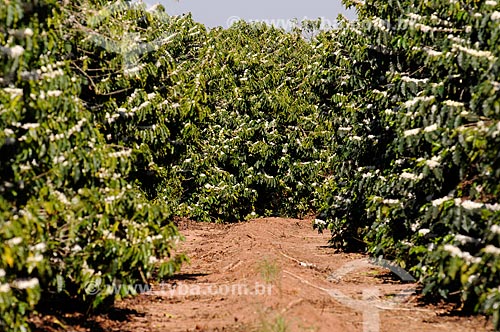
(275, 274)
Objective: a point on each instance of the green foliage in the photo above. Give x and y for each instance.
(223, 123)
(416, 169)
(69, 216)
(259, 149)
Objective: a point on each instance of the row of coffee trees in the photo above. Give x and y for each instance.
(416, 143)
(116, 118)
(71, 217)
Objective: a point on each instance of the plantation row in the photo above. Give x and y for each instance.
(115, 119)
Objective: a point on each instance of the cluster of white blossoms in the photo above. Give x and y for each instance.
(380, 24)
(15, 241)
(108, 235)
(13, 52)
(431, 128)
(391, 201)
(491, 249)
(464, 239)
(495, 229)
(475, 53)
(319, 222)
(51, 71)
(467, 204)
(21, 33)
(408, 79)
(110, 118)
(104, 173)
(111, 199)
(37, 258)
(61, 197)
(39, 247)
(133, 70)
(457, 252)
(457, 40)
(28, 126)
(424, 231)
(453, 103)
(492, 207)
(471, 205)
(121, 154)
(433, 162)
(25, 283)
(427, 28)
(13, 92)
(411, 176)
(4, 288)
(75, 129)
(54, 93)
(412, 132)
(367, 175)
(416, 100)
(440, 201)
(496, 131)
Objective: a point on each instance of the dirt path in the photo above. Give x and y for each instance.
(279, 275)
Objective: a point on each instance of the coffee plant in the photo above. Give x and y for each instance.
(70, 214)
(416, 169)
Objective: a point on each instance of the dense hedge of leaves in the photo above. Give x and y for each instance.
(416, 175)
(222, 123)
(69, 215)
(260, 148)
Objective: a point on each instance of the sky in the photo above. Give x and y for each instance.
(214, 13)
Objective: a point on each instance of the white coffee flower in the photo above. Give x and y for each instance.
(453, 103)
(319, 222)
(409, 176)
(495, 229)
(28, 32)
(390, 201)
(26, 284)
(4, 288)
(424, 231)
(464, 239)
(470, 205)
(35, 259)
(15, 52)
(14, 92)
(433, 162)
(412, 132)
(54, 93)
(15, 241)
(491, 249)
(431, 128)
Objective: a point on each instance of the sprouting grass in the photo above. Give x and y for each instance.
(277, 324)
(269, 270)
